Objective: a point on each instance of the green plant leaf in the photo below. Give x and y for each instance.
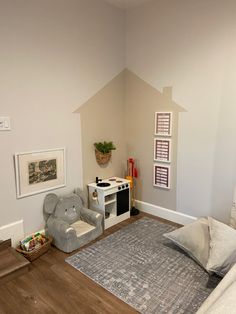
(104, 147)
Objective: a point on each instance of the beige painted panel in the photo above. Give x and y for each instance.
(142, 101)
(102, 119)
(124, 112)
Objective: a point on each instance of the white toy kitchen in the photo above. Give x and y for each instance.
(110, 197)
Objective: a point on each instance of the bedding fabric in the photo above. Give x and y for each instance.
(226, 303)
(194, 239)
(223, 298)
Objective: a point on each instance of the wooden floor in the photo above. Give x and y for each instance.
(53, 286)
(12, 264)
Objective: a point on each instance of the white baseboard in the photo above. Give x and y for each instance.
(164, 213)
(13, 231)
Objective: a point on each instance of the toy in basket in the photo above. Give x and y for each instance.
(34, 246)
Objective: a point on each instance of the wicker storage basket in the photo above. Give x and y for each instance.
(32, 255)
(101, 158)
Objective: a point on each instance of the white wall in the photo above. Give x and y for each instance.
(224, 176)
(186, 44)
(54, 56)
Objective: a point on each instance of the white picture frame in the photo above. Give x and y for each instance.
(161, 176)
(163, 123)
(39, 171)
(162, 150)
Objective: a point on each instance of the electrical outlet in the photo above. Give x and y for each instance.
(5, 124)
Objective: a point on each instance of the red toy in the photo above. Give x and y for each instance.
(132, 174)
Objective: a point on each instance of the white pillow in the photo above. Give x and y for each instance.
(222, 247)
(194, 239)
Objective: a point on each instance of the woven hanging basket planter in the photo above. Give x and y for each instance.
(101, 158)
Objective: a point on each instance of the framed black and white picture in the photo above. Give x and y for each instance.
(162, 149)
(161, 176)
(163, 123)
(39, 171)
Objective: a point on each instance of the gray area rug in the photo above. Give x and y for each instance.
(144, 269)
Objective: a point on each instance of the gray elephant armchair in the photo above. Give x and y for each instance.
(69, 222)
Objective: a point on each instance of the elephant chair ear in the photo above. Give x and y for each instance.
(49, 205)
(83, 196)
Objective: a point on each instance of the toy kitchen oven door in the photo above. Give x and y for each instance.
(111, 198)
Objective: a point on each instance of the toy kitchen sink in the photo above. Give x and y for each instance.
(110, 197)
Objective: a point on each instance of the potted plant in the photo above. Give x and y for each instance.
(103, 152)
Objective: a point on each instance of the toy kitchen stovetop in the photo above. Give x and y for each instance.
(110, 197)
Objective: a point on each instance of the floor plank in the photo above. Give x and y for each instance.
(53, 286)
(12, 264)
